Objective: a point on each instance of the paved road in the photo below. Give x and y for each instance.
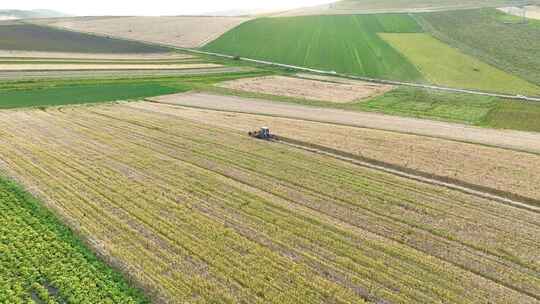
(515, 140)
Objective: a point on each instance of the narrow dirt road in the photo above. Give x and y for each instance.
(515, 140)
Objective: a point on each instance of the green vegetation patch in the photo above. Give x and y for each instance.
(86, 93)
(63, 92)
(515, 115)
(41, 261)
(347, 44)
(27, 37)
(487, 35)
(413, 102)
(444, 65)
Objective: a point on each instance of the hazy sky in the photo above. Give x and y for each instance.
(152, 7)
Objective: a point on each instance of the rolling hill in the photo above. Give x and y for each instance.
(384, 46)
(28, 14)
(348, 44)
(346, 7)
(28, 37)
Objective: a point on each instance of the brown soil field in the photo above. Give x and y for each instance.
(194, 215)
(189, 32)
(55, 55)
(97, 66)
(499, 169)
(516, 140)
(307, 88)
(333, 79)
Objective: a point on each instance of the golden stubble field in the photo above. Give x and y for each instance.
(309, 89)
(196, 213)
(500, 169)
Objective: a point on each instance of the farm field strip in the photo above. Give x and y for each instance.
(484, 34)
(307, 89)
(516, 140)
(236, 216)
(64, 67)
(21, 75)
(506, 171)
(427, 54)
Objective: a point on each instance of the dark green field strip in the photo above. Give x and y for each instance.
(41, 261)
(26, 37)
(412, 102)
(78, 94)
(514, 115)
(485, 34)
(42, 93)
(347, 44)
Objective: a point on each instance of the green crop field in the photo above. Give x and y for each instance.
(514, 115)
(447, 66)
(404, 101)
(201, 214)
(347, 44)
(41, 261)
(63, 92)
(485, 35)
(75, 94)
(26, 37)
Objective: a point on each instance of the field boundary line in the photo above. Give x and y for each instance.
(307, 69)
(453, 184)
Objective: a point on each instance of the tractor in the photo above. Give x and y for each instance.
(263, 133)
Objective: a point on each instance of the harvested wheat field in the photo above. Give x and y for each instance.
(307, 88)
(94, 66)
(196, 215)
(88, 56)
(503, 170)
(516, 140)
(189, 32)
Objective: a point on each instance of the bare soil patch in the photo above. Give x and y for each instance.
(533, 11)
(78, 67)
(181, 31)
(516, 140)
(309, 89)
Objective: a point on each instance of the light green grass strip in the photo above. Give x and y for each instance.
(444, 65)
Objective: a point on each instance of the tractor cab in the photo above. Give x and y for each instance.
(263, 133)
